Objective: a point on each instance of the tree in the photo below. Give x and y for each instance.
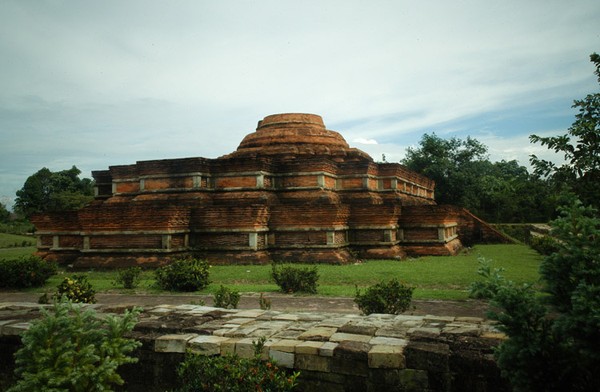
(4, 213)
(451, 163)
(555, 350)
(580, 173)
(499, 192)
(54, 191)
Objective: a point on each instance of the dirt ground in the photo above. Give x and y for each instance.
(281, 302)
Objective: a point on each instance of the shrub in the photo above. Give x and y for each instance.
(491, 283)
(70, 349)
(25, 271)
(76, 288)
(545, 244)
(292, 279)
(390, 297)
(230, 373)
(183, 275)
(226, 298)
(129, 277)
(264, 302)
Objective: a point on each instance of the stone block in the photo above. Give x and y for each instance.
(424, 332)
(405, 380)
(228, 346)
(309, 348)
(321, 334)
(173, 343)
(388, 357)
(327, 349)
(283, 359)
(342, 337)
(206, 345)
(427, 356)
(15, 328)
(312, 362)
(380, 340)
(244, 348)
(285, 345)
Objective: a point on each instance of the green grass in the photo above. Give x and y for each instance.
(11, 253)
(14, 240)
(446, 277)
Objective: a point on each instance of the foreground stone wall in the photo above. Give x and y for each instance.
(333, 352)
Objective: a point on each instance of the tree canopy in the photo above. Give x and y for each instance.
(499, 192)
(54, 191)
(580, 146)
(4, 213)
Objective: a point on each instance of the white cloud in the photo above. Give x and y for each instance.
(99, 84)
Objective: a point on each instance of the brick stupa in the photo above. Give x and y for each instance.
(293, 191)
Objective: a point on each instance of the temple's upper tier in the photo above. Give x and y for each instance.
(293, 135)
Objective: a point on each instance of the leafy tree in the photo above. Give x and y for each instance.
(453, 164)
(557, 350)
(54, 191)
(4, 213)
(71, 349)
(580, 173)
(499, 192)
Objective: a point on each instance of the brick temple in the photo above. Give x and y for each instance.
(292, 191)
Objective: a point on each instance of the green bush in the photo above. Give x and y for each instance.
(292, 279)
(545, 244)
(390, 297)
(491, 283)
(226, 298)
(25, 271)
(76, 288)
(183, 275)
(199, 373)
(70, 349)
(129, 277)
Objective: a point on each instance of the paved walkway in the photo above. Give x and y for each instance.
(281, 302)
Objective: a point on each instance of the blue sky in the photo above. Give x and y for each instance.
(95, 84)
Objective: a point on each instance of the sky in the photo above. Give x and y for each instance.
(101, 83)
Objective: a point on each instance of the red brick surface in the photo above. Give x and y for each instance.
(292, 191)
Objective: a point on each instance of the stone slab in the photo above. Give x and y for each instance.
(206, 345)
(175, 343)
(386, 357)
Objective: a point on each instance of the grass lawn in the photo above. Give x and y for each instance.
(14, 240)
(446, 277)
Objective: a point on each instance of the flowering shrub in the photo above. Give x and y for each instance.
(199, 373)
(77, 288)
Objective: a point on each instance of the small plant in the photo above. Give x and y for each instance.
(198, 373)
(390, 297)
(71, 349)
(292, 279)
(25, 271)
(129, 277)
(492, 281)
(199, 302)
(264, 302)
(183, 275)
(226, 298)
(76, 288)
(544, 244)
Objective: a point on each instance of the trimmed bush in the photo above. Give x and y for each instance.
(226, 298)
(183, 275)
(70, 349)
(544, 245)
(390, 297)
(129, 277)
(25, 271)
(292, 279)
(198, 373)
(76, 288)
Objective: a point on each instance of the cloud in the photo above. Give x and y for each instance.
(361, 140)
(99, 84)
